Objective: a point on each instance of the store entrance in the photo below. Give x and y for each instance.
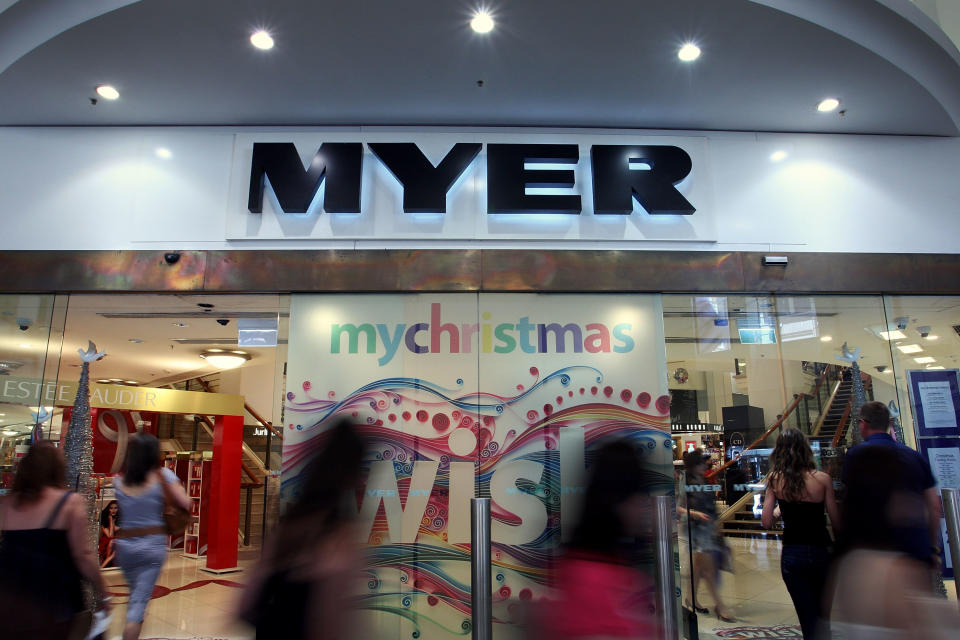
(198, 346)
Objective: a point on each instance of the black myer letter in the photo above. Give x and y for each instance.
(424, 186)
(339, 163)
(614, 183)
(507, 180)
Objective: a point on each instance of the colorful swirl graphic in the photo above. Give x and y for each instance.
(407, 420)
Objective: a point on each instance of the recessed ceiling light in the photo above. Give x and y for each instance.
(828, 104)
(778, 156)
(910, 348)
(934, 367)
(180, 325)
(261, 40)
(826, 338)
(7, 432)
(932, 338)
(163, 153)
(924, 360)
(107, 92)
(482, 22)
(892, 335)
(689, 52)
(132, 383)
(24, 345)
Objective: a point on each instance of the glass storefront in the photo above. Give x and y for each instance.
(504, 395)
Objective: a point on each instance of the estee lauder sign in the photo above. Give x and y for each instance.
(620, 173)
(33, 392)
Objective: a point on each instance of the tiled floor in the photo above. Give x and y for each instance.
(190, 603)
(197, 605)
(755, 594)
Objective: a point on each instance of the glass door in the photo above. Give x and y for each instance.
(31, 333)
(464, 395)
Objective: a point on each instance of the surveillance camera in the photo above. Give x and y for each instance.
(223, 321)
(901, 322)
(923, 331)
(24, 323)
(881, 368)
(171, 258)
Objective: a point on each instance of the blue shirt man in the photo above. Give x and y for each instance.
(891, 499)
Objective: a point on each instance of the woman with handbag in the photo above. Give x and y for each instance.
(44, 553)
(706, 541)
(145, 493)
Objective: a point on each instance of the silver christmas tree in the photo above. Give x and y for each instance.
(78, 443)
(858, 396)
(895, 419)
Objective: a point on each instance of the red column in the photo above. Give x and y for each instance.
(224, 507)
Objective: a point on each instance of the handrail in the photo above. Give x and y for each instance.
(826, 409)
(247, 408)
(843, 423)
(793, 405)
(820, 380)
(732, 510)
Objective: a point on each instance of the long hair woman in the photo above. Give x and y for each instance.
(109, 523)
(45, 551)
(141, 544)
(301, 587)
(803, 494)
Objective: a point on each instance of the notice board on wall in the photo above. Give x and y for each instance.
(935, 400)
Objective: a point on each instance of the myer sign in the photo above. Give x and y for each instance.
(448, 186)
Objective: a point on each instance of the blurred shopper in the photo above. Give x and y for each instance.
(803, 494)
(44, 553)
(706, 542)
(891, 517)
(598, 595)
(141, 544)
(109, 522)
(891, 500)
(301, 587)
(886, 595)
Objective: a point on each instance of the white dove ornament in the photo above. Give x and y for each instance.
(91, 354)
(849, 356)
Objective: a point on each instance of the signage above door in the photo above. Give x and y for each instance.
(454, 187)
(617, 177)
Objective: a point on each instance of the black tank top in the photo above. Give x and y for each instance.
(36, 565)
(804, 523)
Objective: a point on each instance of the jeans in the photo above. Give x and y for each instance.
(804, 569)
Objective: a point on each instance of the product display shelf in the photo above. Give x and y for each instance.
(191, 537)
(170, 462)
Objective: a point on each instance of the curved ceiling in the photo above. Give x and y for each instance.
(547, 63)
